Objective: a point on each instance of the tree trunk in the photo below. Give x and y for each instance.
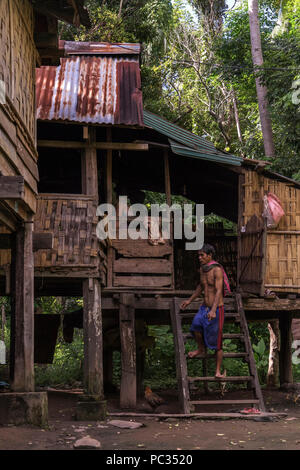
(120, 8)
(237, 119)
(273, 371)
(261, 90)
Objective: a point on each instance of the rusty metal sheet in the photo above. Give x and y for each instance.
(91, 89)
(103, 48)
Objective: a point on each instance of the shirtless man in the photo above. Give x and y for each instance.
(207, 325)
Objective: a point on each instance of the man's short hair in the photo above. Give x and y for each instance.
(208, 249)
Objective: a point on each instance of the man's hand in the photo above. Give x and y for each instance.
(184, 304)
(211, 315)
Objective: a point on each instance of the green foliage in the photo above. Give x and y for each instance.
(261, 359)
(67, 367)
(160, 368)
(106, 27)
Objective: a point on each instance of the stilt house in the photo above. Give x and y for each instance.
(95, 143)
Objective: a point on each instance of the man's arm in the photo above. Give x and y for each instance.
(219, 289)
(195, 294)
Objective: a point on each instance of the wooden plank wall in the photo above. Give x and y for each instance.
(283, 243)
(18, 155)
(138, 263)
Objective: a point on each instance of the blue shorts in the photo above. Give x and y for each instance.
(212, 330)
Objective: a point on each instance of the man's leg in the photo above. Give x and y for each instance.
(219, 359)
(200, 352)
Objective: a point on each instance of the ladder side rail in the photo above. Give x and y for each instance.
(181, 365)
(248, 345)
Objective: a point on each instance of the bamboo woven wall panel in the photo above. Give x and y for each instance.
(282, 249)
(252, 196)
(73, 224)
(290, 199)
(256, 186)
(18, 58)
(283, 262)
(18, 155)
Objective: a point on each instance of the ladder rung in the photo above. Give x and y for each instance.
(241, 337)
(224, 402)
(187, 336)
(212, 356)
(228, 316)
(233, 336)
(244, 378)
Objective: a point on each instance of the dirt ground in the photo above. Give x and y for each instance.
(157, 433)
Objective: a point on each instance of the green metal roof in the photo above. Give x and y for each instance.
(186, 143)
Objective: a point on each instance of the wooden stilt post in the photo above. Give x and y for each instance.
(140, 366)
(108, 369)
(128, 390)
(109, 195)
(285, 355)
(93, 342)
(91, 405)
(22, 318)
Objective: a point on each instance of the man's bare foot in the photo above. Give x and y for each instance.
(221, 376)
(197, 353)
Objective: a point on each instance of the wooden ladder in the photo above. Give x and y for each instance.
(234, 313)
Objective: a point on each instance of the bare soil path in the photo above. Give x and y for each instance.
(157, 433)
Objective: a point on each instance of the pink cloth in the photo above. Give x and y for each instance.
(227, 290)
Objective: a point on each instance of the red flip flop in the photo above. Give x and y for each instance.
(250, 411)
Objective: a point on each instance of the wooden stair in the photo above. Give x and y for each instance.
(234, 313)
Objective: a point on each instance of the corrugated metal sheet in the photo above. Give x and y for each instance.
(175, 132)
(100, 90)
(186, 143)
(204, 154)
(96, 48)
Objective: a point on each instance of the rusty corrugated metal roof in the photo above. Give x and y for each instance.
(91, 89)
(95, 48)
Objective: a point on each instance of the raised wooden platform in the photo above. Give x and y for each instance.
(158, 302)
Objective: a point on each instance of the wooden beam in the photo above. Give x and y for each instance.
(51, 7)
(167, 178)
(169, 202)
(109, 189)
(11, 187)
(8, 220)
(128, 389)
(93, 340)
(285, 354)
(89, 166)
(96, 145)
(22, 287)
